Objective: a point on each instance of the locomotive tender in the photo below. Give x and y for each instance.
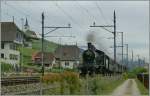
(96, 61)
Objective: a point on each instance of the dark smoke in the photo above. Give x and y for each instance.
(95, 38)
(91, 37)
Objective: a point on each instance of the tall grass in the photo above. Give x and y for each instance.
(71, 84)
(101, 85)
(6, 67)
(69, 81)
(141, 87)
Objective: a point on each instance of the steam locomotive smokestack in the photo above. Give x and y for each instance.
(89, 45)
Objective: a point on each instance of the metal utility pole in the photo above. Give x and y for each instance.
(114, 37)
(114, 33)
(42, 44)
(121, 45)
(127, 55)
(138, 60)
(42, 59)
(21, 63)
(132, 57)
(43, 35)
(144, 61)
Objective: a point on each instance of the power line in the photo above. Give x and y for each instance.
(101, 12)
(93, 15)
(86, 10)
(18, 20)
(22, 12)
(69, 16)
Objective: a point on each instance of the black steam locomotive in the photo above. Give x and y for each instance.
(97, 62)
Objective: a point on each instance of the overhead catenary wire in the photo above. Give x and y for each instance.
(91, 15)
(94, 17)
(101, 12)
(86, 10)
(18, 20)
(22, 12)
(80, 27)
(68, 15)
(65, 12)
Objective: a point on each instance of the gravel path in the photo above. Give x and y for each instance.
(128, 88)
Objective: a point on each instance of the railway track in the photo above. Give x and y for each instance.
(10, 81)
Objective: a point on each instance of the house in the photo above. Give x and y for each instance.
(11, 40)
(67, 56)
(49, 59)
(29, 35)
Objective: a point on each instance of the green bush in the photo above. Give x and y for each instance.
(139, 70)
(6, 67)
(67, 80)
(135, 71)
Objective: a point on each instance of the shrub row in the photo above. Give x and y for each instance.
(66, 79)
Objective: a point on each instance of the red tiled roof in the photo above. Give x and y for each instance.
(67, 52)
(9, 31)
(48, 56)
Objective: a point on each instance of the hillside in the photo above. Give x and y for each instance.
(36, 46)
(48, 46)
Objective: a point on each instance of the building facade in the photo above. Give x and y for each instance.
(29, 35)
(48, 59)
(11, 40)
(67, 56)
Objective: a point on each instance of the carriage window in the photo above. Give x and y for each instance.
(2, 45)
(107, 63)
(66, 63)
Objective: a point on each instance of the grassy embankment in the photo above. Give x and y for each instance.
(142, 88)
(133, 74)
(72, 85)
(101, 85)
(27, 55)
(36, 47)
(6, 67)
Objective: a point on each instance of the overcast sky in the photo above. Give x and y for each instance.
(131, 16)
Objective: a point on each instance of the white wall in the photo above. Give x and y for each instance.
(7, 51)
(52, 64)
(71, 64)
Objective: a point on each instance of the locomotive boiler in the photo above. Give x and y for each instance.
(97, 62)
